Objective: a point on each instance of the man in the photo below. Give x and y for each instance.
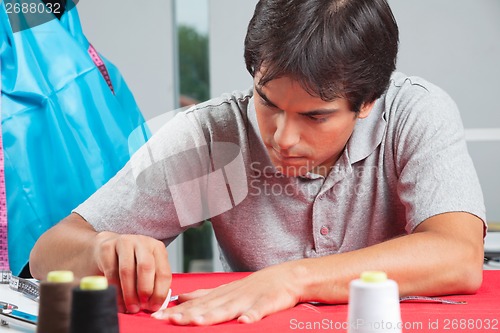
(347, 167)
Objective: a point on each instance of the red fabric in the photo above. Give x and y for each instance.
(480, 314)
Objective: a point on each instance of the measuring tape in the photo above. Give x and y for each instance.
(5, 277)
(4, 254)
(101, 66)
(28, 288)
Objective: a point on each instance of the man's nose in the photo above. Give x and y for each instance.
(287, 132)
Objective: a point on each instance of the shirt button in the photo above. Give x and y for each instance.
(324, 230)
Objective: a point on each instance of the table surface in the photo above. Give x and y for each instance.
(25, 304)
(480, 314)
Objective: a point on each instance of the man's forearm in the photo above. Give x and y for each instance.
(433, 261)
(66, 246)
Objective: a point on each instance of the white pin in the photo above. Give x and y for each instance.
(167, 301)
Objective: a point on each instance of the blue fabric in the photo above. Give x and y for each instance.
(65, 133)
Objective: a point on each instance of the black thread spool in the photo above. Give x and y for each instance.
(94, 308)
(55, 302)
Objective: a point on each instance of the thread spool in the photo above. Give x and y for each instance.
(55, 302)
(94, 307)
(374, 304)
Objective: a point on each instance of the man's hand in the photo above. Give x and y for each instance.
(137, 266)
(248, 300)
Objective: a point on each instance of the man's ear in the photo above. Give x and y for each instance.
(365, 110)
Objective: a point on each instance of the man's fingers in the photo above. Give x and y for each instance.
(138, 266)
(127, 272)
(206, 313)
(193, 295)
(207, 306)
(162, 279)
(146, 270)
(107, 262)
(259, 310)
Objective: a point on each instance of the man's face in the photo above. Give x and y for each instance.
(302, 133)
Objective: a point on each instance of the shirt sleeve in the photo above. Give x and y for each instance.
(436, 173)
(138, 199)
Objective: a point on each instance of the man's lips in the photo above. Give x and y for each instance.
(285, 156)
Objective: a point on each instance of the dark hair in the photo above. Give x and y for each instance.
(334, 48)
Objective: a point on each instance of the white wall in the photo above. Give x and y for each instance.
(226, 38)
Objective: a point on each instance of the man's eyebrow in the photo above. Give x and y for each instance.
(264, 97)
(319, 112)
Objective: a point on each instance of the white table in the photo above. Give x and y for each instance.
(25, 304)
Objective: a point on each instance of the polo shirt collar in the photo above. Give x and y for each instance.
(368, 134)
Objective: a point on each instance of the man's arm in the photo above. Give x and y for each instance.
(443, 256)
(67, 245)
(137, 265)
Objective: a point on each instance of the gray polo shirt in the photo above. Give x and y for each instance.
(407, 161)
